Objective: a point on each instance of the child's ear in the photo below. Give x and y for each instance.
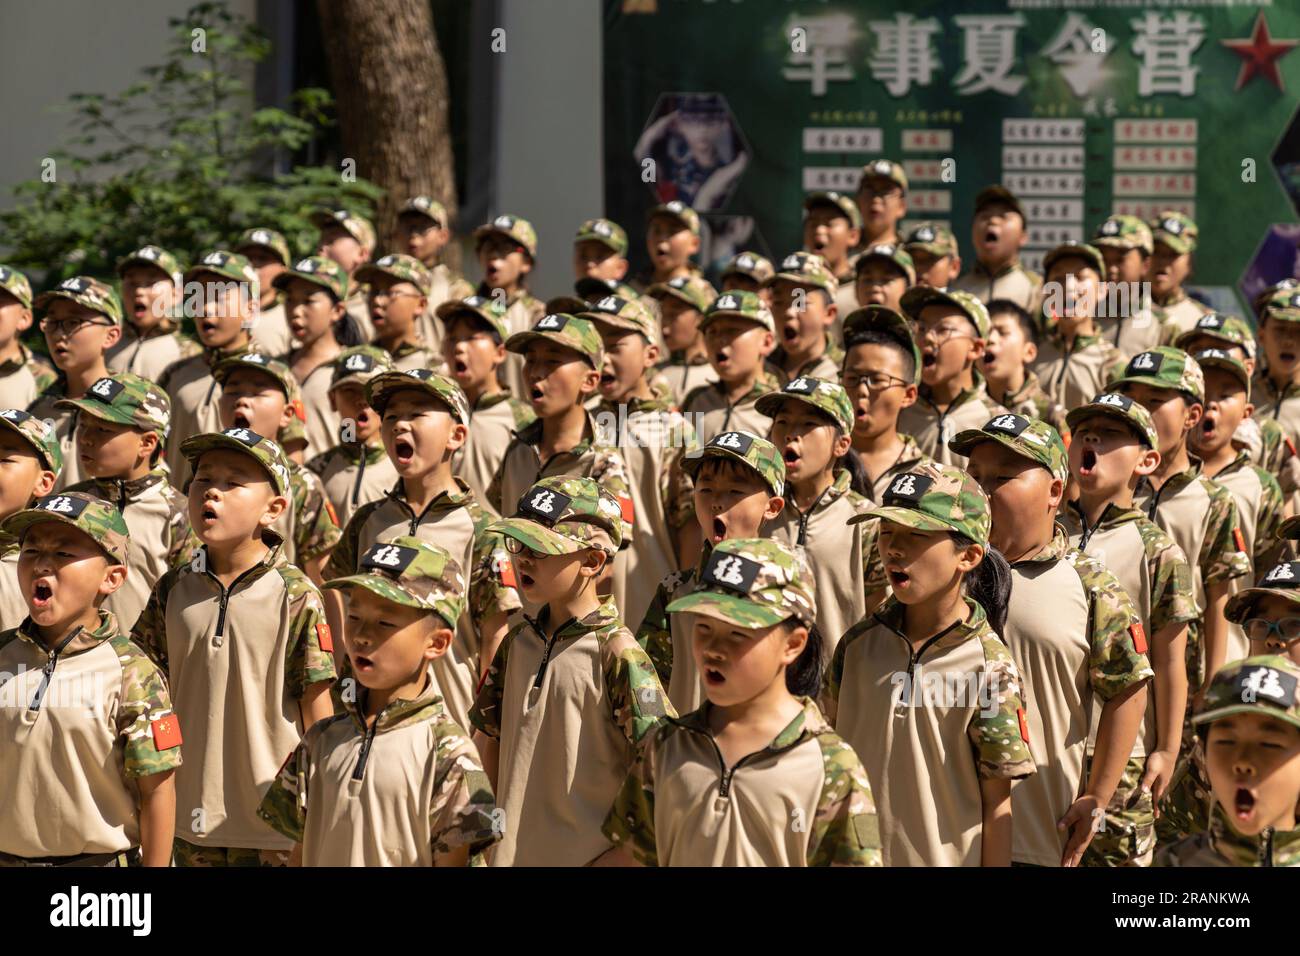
(148, 442)
(456, 438)
(855, 237)
(274, 508)
(829, 313)
(1250, 410)
(1148, 463)
(976, 350)
(590, 381)
(769, 343)
(500, 355)
(1055, 493)
(1193, 416)
(694, 245)
(44, 484)
(424, 305)
(24, 320)
(286, 415)
(775, 505)
(910, 394)
(841, 447)
(527, 267)
(1030, 353)
(111, 335)
(652, 355)
(954, 268)
(439, 643)
(114, 578)
(796, 639)
(337, 312)
(593, 563)
(969, 557)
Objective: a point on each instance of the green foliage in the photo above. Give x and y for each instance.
(177, 160)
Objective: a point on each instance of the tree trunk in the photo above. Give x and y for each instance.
(390, 84)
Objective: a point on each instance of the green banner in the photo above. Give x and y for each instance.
(741, 107)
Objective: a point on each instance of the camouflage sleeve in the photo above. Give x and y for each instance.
(1268, 520)
(676, 488)
(150, 630)
(343, 559)
(655, 634)
(637, 702)
(631, 820)
(494, 489)
(144, 715)
(489, 590)
(874, 579)
(1172, 597)
(610, 471)
(1223, 552)
(284, 808)
(1117, 656)
(999, 728)
(182, 541)
(829, 699)
(316, 529)
(485, 715)
(845, 830)
(463, 809)
(306, 661)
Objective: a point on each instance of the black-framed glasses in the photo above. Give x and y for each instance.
(515, 546)
(67, 328)
(1287, 629)
(875, 381)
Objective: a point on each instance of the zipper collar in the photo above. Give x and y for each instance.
(1269, 848)
(445, 501)
(1030, 386)
(1112, 516)
(123, 490)
(77, 641)
(352, 451)
(1080, 342)
(604, 617)
(1054, 550)
(891, 616)
(400, 712)
(1172, 485)
(830, 353)
(806, 724)
(490, 401)
(213, 356)
(1238, 463)
(828, 496)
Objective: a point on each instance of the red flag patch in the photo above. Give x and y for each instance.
(1290, 445)
(1024, 724)
(1241, 541)
(299, 410)
(1139, 637)
(324, 638)
(166, 732)
(334, 515)
(505, 569)
(629, 509)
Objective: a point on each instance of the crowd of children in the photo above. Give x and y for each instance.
(872, 556)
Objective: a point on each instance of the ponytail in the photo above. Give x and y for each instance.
(347, 332)
(859, 480)
(803, 678)
(989, 585)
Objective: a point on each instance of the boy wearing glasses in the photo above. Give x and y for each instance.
(506, 248)
(882, 202)
(83, 320)
(951, 329)
(398, 295)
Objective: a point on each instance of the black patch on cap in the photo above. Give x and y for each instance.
(544, 504)
(388, 558)
(105, 390)
(423, 374)
(1211, 321)
(1114, 400)
(907, 489)
(731, 571)
(1285, 575)
(801, 386)
(1007, 424)
(1145, 363)
(738, 442)
(611, 304)
(1265, 684)
(551, 323)
(244, 435)
(16, 415)
(65, 505)
(359, 362)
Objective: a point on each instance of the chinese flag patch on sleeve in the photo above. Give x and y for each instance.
(334, 515)
(629, 510)
(1139, 637)
(166, 732)
(1024, 724)
(505, 569)
(1239, 539)
(324, 638)
(299, 410)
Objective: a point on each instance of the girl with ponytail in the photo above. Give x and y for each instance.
(925, 690)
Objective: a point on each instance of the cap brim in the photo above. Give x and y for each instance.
(1236, 371)
(20, 521)
(964, 442)
(732, 608)
(518, 342)
(708, 317)
(378, 584)
(1210, 716)
(1143, 380)
(98, 410)
(196, 445)
(536, 536)
(691, 463)
(282, 281)
(36, 446)
(907, 517)
(382, 387)
(1075, 416)
(774, 400)
(1239, 604)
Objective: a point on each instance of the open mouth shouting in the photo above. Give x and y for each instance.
(1088, 462)
(459, 367)
(898, 580)
(714, 677)
(535, 394)
(362, 664)
(790, 334)
(991, 237)
(792, 457)
(42, 594)
(403, 451)
(1243, 804)
(718, 532)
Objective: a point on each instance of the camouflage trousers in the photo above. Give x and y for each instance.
(189, 854)
(1185, 809)
(125, 858)
(1127, 836)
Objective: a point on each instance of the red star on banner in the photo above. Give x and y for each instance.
(1260, 54)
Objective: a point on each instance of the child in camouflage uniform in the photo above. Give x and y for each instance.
(121, 428)
(30, 461)
(268, 253)
(1074, 631)
(883, 274)
(151, 301)
(1174, 235)
(248, 653)
(940, 764)
(739, 333)
(506, 248)
(745, 272)
(1249, 727)
(832, 229)
(88, 747)
(23, 376)
(393, 781)
(314, 290)
(1126, 244)
(682, 303)
(349, 240)
(998, 233)
(423, 232)
(357, 470)
(398, 295)
(756, 776)
(569, 696)
(935, 256)
(1278, 385)
(1010, 352)
(801, 296)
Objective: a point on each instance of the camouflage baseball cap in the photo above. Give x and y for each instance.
(318, 270)
(359, 364)
(358, 227)
(1222, 327)
(996, 193)
(383, 386)
(1121, 408)
(155, 256)
(932, 237)
(589, 288)
(844, 204)
(895, 255)
(1268, 684)
(96, 517)
(1080, 250)
(740, 304)
(484, 308)
(398, 266)
(627, 314)
(692, 289)
(1164, 367)
(520, 230)
(275, 368)
(565, 514)
(1027, 437)
(1218, 358)
(262, 238)
(678, 210)
(426, 206)
(265, 451)
(1124, 232)
(38, 433)
(934, 497)
(411, 572)
(604, 231)
(570, 304)
(1176, 230)
(827, 397)
(805, 268)
(227, 265)
(757, 267)
(85, 291)
(753, 583)
(758, 453)
(562, 329)
(885, 168)
(1283, 580)
(17, 285)
(879, 318)
(1261, 298)
(126, 399)
(1283, 305)
(918, 297)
